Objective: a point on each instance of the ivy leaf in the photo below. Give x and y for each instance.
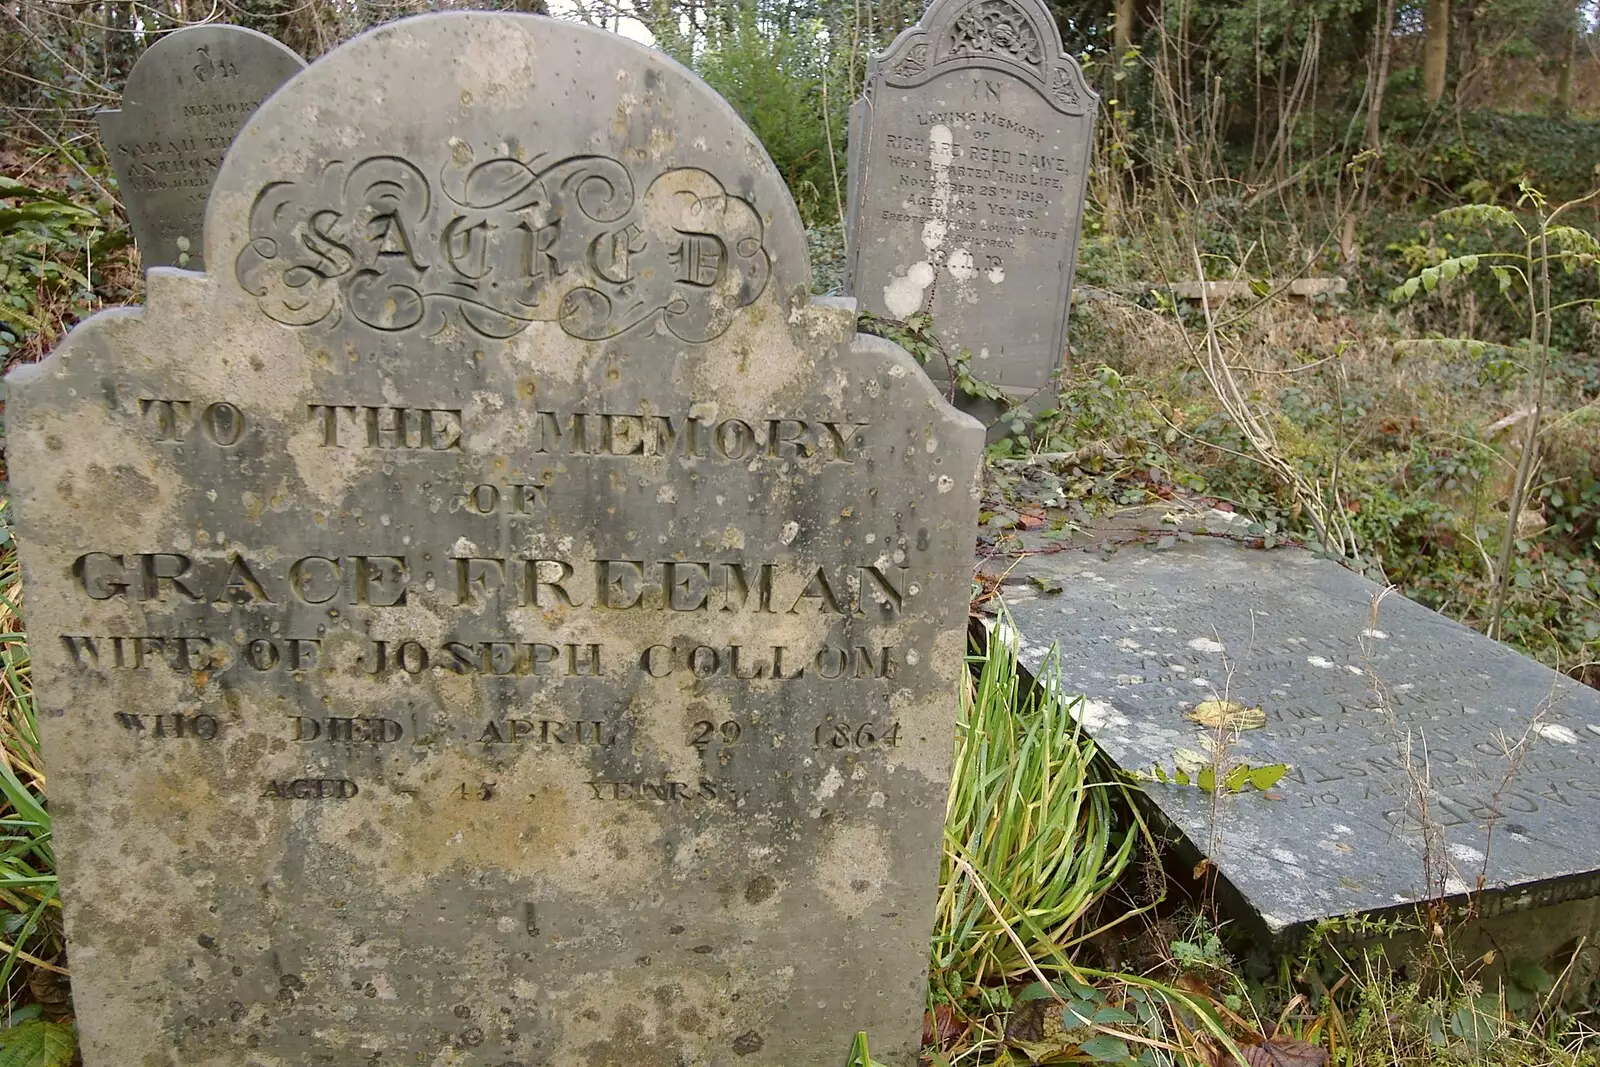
(1430, 279)
(1503, 276)
(1105, 1049)
(1109, 1016)
(37, 1044)
(1236, 778)
(1207, 779)
(1264, 778)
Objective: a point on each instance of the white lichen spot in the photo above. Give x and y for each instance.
(1593, 729)
(1096, 715)
(946, 483)
(1377, 635)
(1551, 731)
(1320, 661)
(666, 495)
(903, 295)
(1200, 681)
(1353, 669)
(912, 657)
(931, 445)
(791, 530)
(1454, 886)
(1206, 644)
(1283, 855)
(830, 784)
(961, 266)
(983, 353)
(1128, 643)
(1465, 853)
(997, 274)
(877, 800)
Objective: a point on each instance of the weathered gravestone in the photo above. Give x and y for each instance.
(493, 617)
(1508, 748)
(186, 98)
(969, 150)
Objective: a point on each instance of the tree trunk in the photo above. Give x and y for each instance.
(1435, 49)
(1380, 77)
(1122, 30)
(1564, 83)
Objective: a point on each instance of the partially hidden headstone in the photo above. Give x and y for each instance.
(969, 150)
(185, 100)
(1422, 756)
(494, 617)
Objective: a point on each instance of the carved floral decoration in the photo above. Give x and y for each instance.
(1065, 89)
(996, 27)
(496, 246)
(913, 63)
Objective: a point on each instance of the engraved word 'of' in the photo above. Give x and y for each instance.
(495, 246)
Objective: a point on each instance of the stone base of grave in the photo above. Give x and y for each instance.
(1424, 760)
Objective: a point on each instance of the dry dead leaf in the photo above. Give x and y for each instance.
(1285, 1052)
(940, 1027)
(1027, 1022)
(1228, 714)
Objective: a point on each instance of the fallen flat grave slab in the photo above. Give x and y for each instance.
(1422, 755)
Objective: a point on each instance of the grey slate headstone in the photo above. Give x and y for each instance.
(494, 617)
(1349, 680)
(969, 152)
(186, 98)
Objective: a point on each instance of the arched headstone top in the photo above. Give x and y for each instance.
(196, 60)
(409, 182)
(1016, 36)
(186, 98)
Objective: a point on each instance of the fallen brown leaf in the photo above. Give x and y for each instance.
(946, 1026)
(1285, 1052)
(1027, 1022)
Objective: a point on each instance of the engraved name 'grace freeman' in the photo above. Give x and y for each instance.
(512, 620)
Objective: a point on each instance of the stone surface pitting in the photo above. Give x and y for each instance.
(186, 98)
(494, 616)
(968, 156)
(1147, 635)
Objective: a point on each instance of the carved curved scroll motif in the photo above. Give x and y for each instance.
(507, 244)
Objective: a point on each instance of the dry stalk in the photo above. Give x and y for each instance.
(1333, 528)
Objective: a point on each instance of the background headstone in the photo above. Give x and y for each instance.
(969, 151)
(186, 98)
(1364, 695)
(494, 617)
